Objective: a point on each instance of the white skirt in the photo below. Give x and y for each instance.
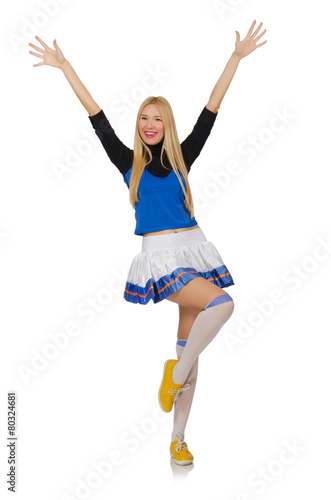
(168, 261)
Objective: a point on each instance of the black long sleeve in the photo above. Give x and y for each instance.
(193, 144)
(122, 156)
(118, 153)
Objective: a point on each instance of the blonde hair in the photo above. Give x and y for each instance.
(173, 151)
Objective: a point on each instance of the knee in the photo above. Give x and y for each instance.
(221, 308)
(231, 305)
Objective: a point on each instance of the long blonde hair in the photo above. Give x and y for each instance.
(173, 151)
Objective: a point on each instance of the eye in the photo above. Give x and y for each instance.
(144, 118)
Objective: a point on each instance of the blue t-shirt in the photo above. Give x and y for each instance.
(161, 198)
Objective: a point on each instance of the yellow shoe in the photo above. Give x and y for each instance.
(180, 453)
(169, 391)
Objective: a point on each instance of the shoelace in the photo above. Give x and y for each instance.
(181, 445)
(177, 392)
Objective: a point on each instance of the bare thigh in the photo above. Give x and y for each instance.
(197, 293)
(192, 299)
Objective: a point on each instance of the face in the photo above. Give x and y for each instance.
(150, 125)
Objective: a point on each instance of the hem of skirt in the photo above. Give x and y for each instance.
(173, 282)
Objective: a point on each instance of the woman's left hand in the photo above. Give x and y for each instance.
(248, 44)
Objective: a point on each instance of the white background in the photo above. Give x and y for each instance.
(67, 239)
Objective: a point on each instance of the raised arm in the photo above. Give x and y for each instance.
(195, 141)
(118, 153)
(56, 59)
(242, 49)
(79, 88)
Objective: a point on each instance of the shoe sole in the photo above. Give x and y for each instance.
(165, 411)
(181, 462)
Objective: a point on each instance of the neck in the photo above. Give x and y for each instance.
(156, 148)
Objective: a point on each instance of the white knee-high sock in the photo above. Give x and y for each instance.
(182, 405)
(205, 327)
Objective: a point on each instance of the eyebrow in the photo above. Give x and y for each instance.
(142, 114)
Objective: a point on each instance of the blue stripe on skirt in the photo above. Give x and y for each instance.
(173, 282)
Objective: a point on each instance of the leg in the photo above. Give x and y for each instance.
(200, 294)
(187, 316)
(182, 406)
(215, 309)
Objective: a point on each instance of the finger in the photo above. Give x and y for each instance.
(260, 44)
(251, 28)
(257, 30)
(42, 43)
(34, 54)
(39, 64)
(258, 37)
(37, 48)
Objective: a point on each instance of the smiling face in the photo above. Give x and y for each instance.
(150, 125)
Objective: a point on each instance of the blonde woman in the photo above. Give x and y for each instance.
(176, 261)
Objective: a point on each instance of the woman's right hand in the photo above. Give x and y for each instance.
(50, 57)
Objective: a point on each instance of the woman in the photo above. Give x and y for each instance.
(176, 261)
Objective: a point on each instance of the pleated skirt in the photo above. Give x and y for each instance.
(168, 261)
